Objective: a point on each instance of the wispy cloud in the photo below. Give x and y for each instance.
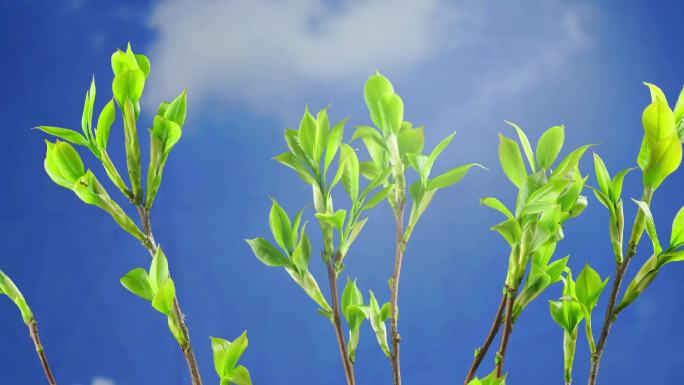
(267, 55)
(103, 381)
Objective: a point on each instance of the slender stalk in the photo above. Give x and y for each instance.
(508, 328)
(493, 331)
(188, 353)
(337, 324)
(621, 269)
(33, 332)
(394, 293)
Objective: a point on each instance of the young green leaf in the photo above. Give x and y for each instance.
(267, 253)
(527, 148)
(164, 298)
(549, 146)
(497, 205)
(588, 287)
(602, 176)
(138, 283)
(66, 134)
(509, 230)
(336, 219)
(511, 160)
(307, 134)
(159, 270)
(677, 234)
(63, 164)
(104, 124)
(281, 228)
(451, 177)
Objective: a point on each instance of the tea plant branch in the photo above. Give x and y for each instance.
(8, 288)
(394, 291)
(186, 348)
(482, 350)
(507, 329)
(337, 324)
(621, 269)
(33, 332)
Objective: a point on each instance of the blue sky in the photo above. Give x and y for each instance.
(250, 66)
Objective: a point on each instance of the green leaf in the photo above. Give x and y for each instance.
(66, 134)
(410, 140)
(679, 108)
(568, 165)
(351, 237)
(176, 110)
(602, 176)
(138, 283)
(163, 299)
(288, 159)
(378, 324)
(549, 146)
(238, 376)
(63, 164)
(322, 129)
(281, 228)
(87, 116)
(350, 174)
(104, 124)
(511, 160)
(656, 93)
(677, 234)
(650, 226)
(666, 156)
(159, 270)
(11, 290)
(386, 108)
(378, 197)
(616, 184)
(451, 177)
(351, 295)
(509, 230)
(335, 219)
(132, 149)
(302, 252)
(497, 205)
(527, 148)
(267, 253)
(307, 134)
(227, 354)
(334, 141)
(430, 161)
(589, 287)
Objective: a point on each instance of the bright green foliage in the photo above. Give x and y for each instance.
(609, 193)
(661, 149)
(294, 253)
(491, 379)
(65, 167)
(394, 145)
(8, 288)
(226, 356)
(649, 270)
(567, 313)
(157, 287)
(546, 199)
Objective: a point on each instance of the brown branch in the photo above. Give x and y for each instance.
(493, 331)
(508, 328)
(621, 270)
(337, 324)
(188, 353)
(394, 294)
(33, 332)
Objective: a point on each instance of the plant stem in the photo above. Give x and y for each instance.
(337, 324)
(493, 331)
(188, 353)
(394, 292)
(621, 269)
(508, 328)
(33, 332)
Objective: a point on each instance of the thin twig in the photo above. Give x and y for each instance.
(33, 332)
(621, 270)
(337, 324)
(493, 331)
(508, 328)
(188, 353)
(394, 294)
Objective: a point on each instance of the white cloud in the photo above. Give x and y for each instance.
(270, 55)
(102, 381)
(262, 51)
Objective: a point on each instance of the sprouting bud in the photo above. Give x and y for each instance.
(63, 164)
